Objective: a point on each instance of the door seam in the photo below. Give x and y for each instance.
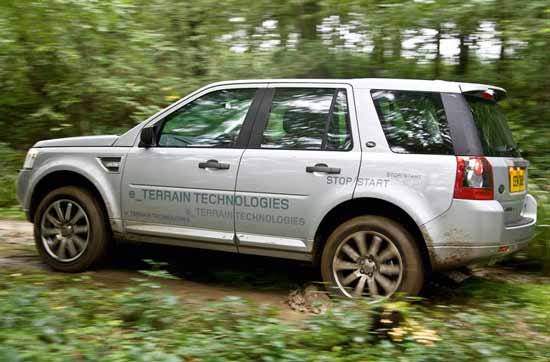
(235, 237)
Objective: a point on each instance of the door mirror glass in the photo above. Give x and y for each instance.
(147, 137)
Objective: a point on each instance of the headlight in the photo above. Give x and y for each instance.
(29, 159)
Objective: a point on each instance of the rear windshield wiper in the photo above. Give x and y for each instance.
(507, 148)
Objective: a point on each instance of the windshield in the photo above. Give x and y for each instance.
(495, 135)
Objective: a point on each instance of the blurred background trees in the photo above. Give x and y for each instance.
(72, 67)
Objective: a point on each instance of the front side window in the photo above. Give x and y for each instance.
(308, 119)
(213, 120)
(413, 122)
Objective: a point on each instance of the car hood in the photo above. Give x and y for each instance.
(86, 141)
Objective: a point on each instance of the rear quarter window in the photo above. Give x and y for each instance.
(413, 122)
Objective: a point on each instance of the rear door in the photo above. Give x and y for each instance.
(302, 160)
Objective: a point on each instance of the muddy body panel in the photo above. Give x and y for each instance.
(473, 232)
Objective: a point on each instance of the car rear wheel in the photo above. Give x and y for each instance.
(372, 256)
(70, 229)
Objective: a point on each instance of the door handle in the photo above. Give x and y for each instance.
(214, 164)
(322, 167)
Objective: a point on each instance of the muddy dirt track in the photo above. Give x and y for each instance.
(209, 276)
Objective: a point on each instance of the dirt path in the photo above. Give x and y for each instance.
(16, 245)
(202, 276)
(209, 276)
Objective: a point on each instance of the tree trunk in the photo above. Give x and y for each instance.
(396, 45)
(379, 48)
(437, 60)
(308, 19)
(464, 55)
(199, 62)
(309, 16)
(501, 63)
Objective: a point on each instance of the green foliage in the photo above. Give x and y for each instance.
(80, 67)
(12, 213)
(75, 67)
(64, 318)
(7, 190)
(9, 162)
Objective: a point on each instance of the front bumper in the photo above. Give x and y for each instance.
(476, 232)
(22, 187)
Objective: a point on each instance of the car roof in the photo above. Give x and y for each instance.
(381, 83)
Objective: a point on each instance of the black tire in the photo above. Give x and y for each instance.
(97, 237)
(411, 277)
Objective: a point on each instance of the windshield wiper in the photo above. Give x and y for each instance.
(507, 148)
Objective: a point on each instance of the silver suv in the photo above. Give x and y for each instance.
(377, 181)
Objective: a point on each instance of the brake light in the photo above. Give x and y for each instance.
(488, 95)
(474, 178)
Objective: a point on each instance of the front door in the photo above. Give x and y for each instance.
(183, 188)
(303, 159)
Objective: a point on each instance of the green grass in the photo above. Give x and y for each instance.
(47, 317)
(7, 190)
(12, 213)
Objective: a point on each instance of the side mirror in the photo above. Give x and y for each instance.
(147, 137)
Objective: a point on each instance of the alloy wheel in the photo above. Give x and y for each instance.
(367, 263)
(65, 230)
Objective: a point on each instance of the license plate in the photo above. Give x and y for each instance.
(517, 179)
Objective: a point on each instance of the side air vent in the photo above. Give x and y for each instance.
(111, 164)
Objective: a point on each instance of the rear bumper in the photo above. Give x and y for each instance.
(449, 257)
(475, 232)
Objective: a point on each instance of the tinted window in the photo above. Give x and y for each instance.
(490, 121)
(339, 133)
(308, 119)
(213, 120)
(413, 122)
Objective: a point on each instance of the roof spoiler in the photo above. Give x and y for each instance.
(487, 92)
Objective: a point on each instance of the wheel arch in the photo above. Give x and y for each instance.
(367, 206)
(60, 178)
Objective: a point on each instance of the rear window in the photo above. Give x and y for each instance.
(413, 122)
(496, 138)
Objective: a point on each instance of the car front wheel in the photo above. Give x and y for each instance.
(70, 229)
(372, 256)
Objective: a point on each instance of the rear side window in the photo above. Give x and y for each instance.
(413, 122)
(308, 119)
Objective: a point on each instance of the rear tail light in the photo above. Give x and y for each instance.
(488, 95)
(474, 178)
